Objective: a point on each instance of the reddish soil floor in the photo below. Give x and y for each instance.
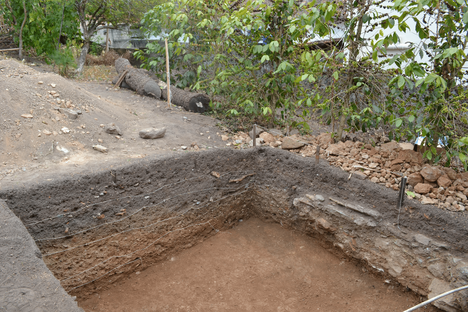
(256, 266)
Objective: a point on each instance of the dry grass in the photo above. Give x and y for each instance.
(107, 58)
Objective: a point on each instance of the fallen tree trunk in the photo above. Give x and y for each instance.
(137, 79)
(194, 102)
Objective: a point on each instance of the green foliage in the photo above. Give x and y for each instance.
(429, 89)
(95, 49)
(247, 57)
(42, 28)
(63, 59)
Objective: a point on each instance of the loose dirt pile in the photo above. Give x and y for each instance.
(47, 119)
(383, 162)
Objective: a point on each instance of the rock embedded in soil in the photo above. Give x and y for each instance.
(289, 143)
(69, 113)
(423, 188)
(100, 148)
(152, 133)
(112, 129)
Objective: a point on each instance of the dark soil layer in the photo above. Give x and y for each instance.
(98, 227)
(255, 266)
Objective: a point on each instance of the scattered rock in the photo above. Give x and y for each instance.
(324, 224)
(267, 137)
(224, 137)
(40, 82)
(289, 143)
(359, 175)
(336, 149)
(112, 129)
(406, 146)
(375, 180)
(100, 148)
(46, 132)
(65, 130)
(452, 174)
(325, 139)
(152, 133)
(69, 112)
(431, 174)
(444, 181)
(389, 147)
(27, 116)
(53, 85)
(276, 132)
(319, 198)
(422, 188)
(428, 201)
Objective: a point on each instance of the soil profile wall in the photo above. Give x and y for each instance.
(95, 228)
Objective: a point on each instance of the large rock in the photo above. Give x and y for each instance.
(336, 149)
(406, 146)
(422, 188)
(267, 137)
(325, 139)
(152, 133)
(411, 157)
(452, 174)
(415, 178)
(289, 143)
(431, 174)
(112, 129)
(388, 147)
(464, 176)
(444, 181)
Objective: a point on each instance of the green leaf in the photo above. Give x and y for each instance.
(335, 75)
(398, 122)
(411, 118)
(265, 58)
(401, 82)
(410, 194)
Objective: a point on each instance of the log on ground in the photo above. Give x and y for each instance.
(191, 101)
(137, 79)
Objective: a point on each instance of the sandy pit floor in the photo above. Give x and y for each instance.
(254, 267)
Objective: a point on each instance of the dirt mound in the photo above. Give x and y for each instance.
(107, 58)
(41, 113)
(48, 119)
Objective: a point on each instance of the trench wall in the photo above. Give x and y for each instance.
(97, 227)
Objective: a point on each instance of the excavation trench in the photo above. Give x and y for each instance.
(96, 230)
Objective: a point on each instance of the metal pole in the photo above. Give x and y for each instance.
(168, 77)
(401, 197)
(254, 134)
(317, 155)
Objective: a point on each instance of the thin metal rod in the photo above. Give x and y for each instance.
(168, 77)
(401, 198)
(436, 298)
(254, 134)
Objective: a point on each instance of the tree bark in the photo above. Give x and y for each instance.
(137, 79)
(20, 53)
(82, 58)
(191, 101)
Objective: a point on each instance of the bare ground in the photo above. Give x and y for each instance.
(255, 266)
(31, 128)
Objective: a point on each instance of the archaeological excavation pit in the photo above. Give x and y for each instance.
(252, 230)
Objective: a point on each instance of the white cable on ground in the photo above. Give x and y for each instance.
(436, 298)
